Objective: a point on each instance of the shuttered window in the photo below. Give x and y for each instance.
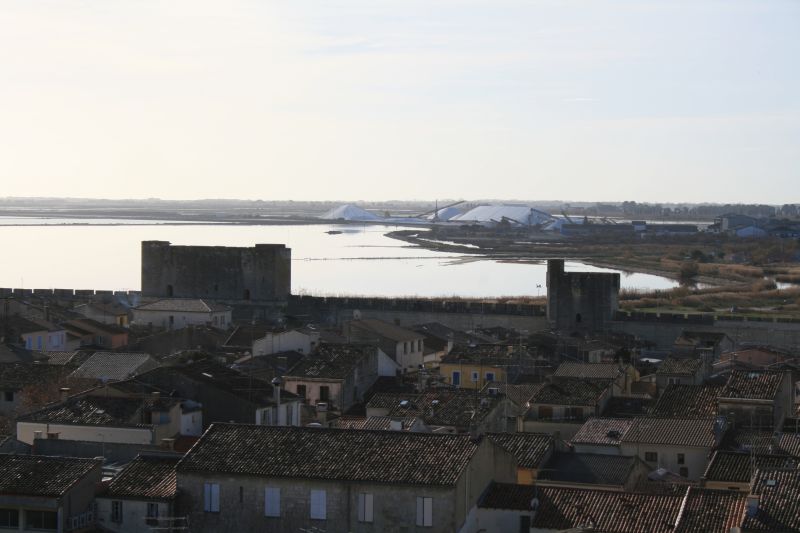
(424, 511)
(318, 505)
(365, 507)
(211, 497)
(272, 501)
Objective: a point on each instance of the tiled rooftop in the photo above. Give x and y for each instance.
(693, 401)
(740, 467)
(14, 376)
(486, 354)
(330, 361)
(382, 423)
(184, 305)
(243, 336)
(706, 511)
(39, 475)
(682, 366)
(529, 449)
(398, 457)
(779, 505)
(595, 469)
(101, 411)
(672, 432)
(570, 369)
(603, 431)
(114, 366)
(570, 392)
(454, 407)
(606, 511)
(146, 477)
(747, 385)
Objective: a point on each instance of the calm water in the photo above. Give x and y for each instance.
(359, 261)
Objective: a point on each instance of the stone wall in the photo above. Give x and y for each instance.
(580, 301)
(261, 273)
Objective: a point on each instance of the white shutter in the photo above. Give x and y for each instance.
(207, 497)
(365, 507)
(428, 511)
(318, 505)
(272, 501)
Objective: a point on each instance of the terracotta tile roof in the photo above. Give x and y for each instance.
(608, 511)
(706, 510)
(85, 326)
(692, 401)
(603, 431)
(610, 371)
(570, 392)
(529, 449)
(739, 467)
(146, 477)
(101, 411)
(589, 468)
(779, 502)
(747, 385)
(114, 366)
(672, 432)
(680, 366)
(518, 393)
(454, 407)
(59, 358)
(486, 354)
(183, 305)
(39, 475)
(15, 376)
(330, 362)
(399, 457)
(382, 423)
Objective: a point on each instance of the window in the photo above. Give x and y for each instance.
(681, 459)
(524, 524)
(9, 518)
(651, 457)
(673, 381)
(301, 391)
(38, 342)
(490, 376)
(324, 393)
(365, 507)
(574, 413)
(456, 378)
(9, 396)
(545, 412)
(152, 514)
(41, 520)
(424, 511)
(211, 497)
(318, 506)
(684, 471)
(241, 494)
(475, 376)
(116, 511)
(272, 501)
(405, 347)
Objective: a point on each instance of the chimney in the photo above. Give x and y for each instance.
(396, 424)
(168, 444)
(63, 393)
(752, 505)
(276, 390)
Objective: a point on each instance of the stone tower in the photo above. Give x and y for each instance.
(580, 301)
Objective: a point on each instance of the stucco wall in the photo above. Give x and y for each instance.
(25, 433)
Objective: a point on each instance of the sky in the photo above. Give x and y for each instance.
(593, 100)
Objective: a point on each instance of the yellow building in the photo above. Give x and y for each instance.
(473, 367)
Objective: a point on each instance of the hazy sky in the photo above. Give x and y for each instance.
(385, 99)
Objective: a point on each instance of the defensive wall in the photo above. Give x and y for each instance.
(660, 328)
(261, 273)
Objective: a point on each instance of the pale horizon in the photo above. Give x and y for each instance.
(650, 101)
